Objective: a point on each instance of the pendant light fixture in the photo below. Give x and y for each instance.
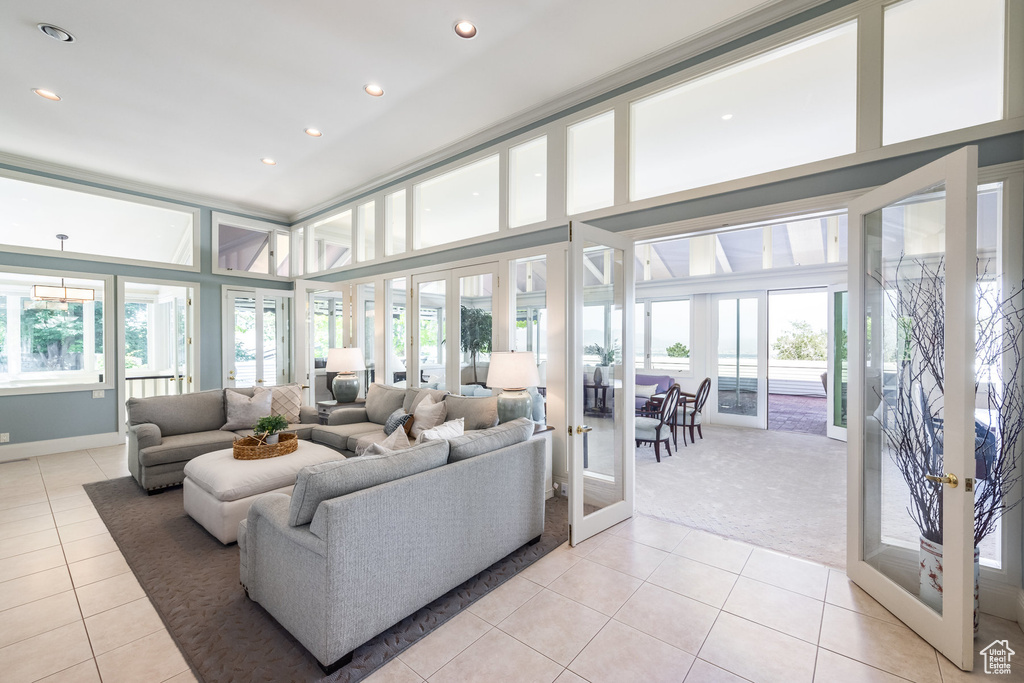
(63, 294)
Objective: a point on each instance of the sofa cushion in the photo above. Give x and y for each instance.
(382, 401)
(201, 411)
(427, 415)
(243, 411)
(398, 419)
(182, 447)
(358, 443)
(478, 412)
(414, 396)
(303, 430)
(451, 429)
(318, 483)
(336, 436)
(645, 391)
(476, 443)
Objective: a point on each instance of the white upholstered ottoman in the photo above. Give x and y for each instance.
(218, 489)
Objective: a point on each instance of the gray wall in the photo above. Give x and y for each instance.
(38, 417)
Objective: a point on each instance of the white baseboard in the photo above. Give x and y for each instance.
(17, 451)
(1020, 607)
(1000, 599)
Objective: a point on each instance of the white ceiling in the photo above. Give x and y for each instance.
(189, 95)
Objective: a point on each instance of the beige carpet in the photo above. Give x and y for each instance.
(778, 490)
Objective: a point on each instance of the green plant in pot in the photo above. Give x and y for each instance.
(606, 359)
(268, 429)
(910, 415)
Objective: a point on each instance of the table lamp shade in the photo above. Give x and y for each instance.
(345, 360)
(513, 372)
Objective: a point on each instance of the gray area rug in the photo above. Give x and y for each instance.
(777, 490)
(192, 581)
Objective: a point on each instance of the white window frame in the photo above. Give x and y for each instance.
(109, 355)
(195, 213)
(273, 230)
(648, 323)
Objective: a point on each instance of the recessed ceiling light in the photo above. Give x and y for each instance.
(268, 161)
(726, 117)
(314, 133)
(476, 194)
(57, 33)
(465, 29)
(48, 94)
(373, 89)
(537, 175)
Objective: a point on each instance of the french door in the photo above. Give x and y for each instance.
(600, 310)
(739, 366)
(911, 360)
(257, 338)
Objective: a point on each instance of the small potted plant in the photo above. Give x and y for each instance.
(268, 429)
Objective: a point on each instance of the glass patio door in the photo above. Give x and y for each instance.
(911, 429)
(739, 391)
(257, 339)
(600, 414)
(838, 361)
(429, 324)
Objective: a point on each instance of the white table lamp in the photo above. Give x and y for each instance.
(513, 373)
(345, 362)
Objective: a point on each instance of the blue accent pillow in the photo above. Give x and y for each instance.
(395, 420)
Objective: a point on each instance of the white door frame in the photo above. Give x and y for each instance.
(760, 419)
(228, 292)
(951, 632)
(582, 526)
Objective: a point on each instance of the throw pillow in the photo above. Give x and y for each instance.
(375, 449)
(428, 414)
(395, 420)
(646, 390)
(397, 441)
(287, 399)
(449, 430)
(242, 411)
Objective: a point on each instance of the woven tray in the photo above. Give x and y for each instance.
(251, 448)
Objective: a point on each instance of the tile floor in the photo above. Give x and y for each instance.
(645, 601)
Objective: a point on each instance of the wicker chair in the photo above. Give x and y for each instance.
(657, 427)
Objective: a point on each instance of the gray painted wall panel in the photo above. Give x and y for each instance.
(38, 417)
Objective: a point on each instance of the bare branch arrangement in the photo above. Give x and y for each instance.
(912, 428)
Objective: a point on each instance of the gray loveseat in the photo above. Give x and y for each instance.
(348, 429)
(165, 432)
(364, 542)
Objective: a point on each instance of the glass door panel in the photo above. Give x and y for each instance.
(243, 371)
(398, 332)
(839, 366)
(601, 380)
(431, 324)
(269, 373)
(475, 327)
(738, 382)
(366, 333)
(157, 327)
(912, 395)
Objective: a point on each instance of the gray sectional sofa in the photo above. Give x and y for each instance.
(364, 542)
(165, 432)
(350, 429)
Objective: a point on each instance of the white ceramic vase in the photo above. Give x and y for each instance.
(272, 438)
(931, 577)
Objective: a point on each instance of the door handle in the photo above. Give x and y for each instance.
(950, 479)
(583, 430)
(259, 381)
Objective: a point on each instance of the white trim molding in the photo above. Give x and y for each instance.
(31, 449)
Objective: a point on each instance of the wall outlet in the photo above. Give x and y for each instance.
(564, 489)
(5, 437)
(98, 393)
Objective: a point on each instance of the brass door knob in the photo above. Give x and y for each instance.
(950, 479)
(583, 430)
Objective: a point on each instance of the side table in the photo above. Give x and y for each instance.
(325, 408)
